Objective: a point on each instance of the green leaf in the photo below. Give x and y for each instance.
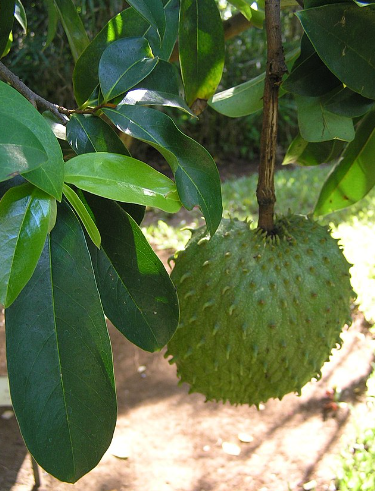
(201, 47)
(124, 64)
(24, 222)
(163, 78)
(196, 175)
(354, 176)
(316, 124)
(60, 360)
(53, 17)
(85, 76)
(49, 175)
(309, 4)
(242, 100)
(345, 102)
(310, 76)
(258, 14)
(20, 149)
(144, 97)
(8, 46)
(58, 129)
(246, 98)
(20, 16)
(164, 49)
(122, 178)
(153, 12)
(10, 183)
(137, 294)
(86, 134)
(244, 6)
(83, 214)
(73, 27)
(305, 153)
(137, 212)
(6, 22)
(343, 34)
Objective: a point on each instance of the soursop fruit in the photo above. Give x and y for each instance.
(259, 314)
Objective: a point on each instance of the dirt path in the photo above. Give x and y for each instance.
(174, 441)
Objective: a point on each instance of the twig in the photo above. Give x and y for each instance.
(42, 104)
(36, 473)
(274, 73)
(36, 100)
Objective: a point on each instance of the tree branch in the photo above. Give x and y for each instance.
(36, 100)
(274, 73)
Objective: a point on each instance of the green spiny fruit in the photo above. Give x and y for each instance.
(259, 314)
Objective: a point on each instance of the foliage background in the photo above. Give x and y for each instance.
(225, 138)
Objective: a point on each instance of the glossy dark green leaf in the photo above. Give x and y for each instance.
(309, 4)
(6, 22)
(310, 76)
(87, 133)
(316, 124)
(8, 46)
(163, 78)
(153, 12)
(10, 183)
(302, 152)
(354, 176)
(53, 18)
(196, 174)
(73, 27)
(20, 15)
(164, 49)
(25, 213)
(20, 149)
(60, 360)
(122, 178)
(49, 175)
(343, 34)
(124, 64)
(85, 76)
(58, 129)
(201, 48)
(144, 97)
(137, 212)
(83, 214)
(345, 102)
(137, 294)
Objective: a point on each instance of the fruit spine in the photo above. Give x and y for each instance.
(259, 314)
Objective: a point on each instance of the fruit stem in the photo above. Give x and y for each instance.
(275, 70)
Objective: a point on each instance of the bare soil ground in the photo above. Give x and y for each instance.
(173, 441)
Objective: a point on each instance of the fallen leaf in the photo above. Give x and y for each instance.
(245, 437)
(4, 392)
(119, 449)
(7, 414)
(309, 486)
(231, 448)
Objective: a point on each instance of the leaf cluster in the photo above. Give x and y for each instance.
(72, 200)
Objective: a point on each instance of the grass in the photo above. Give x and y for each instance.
(355, 470)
